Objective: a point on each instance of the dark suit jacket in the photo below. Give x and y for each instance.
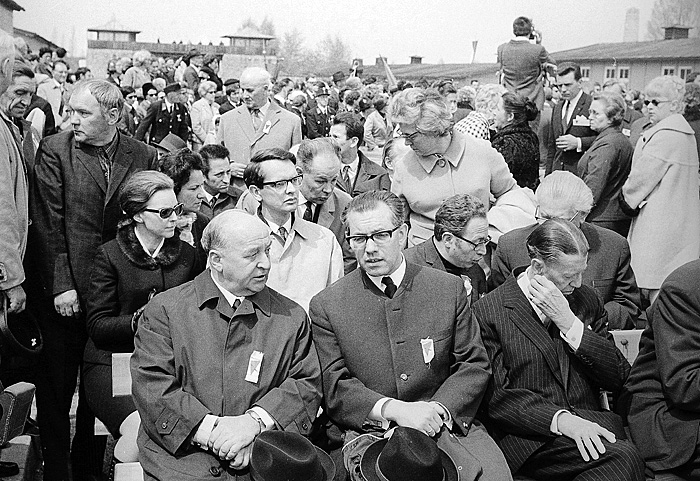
(604, 168)
(425, 254)
(608, 270)
(664, 415)
(224, 202)
(226, 107)
(162, 123)
(74, 211)
(531, 382)
(369, 345)
(370, 176)
(319, 124)
(568, 160)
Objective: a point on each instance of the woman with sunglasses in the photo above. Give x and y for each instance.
(145, 258)
(662, 189)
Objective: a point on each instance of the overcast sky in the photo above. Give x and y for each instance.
(438, 30)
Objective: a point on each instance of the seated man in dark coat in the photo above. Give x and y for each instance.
(562, 195)
(397, 344)
(220, 359)
(458, 244)
(551, 354)
(664, 413)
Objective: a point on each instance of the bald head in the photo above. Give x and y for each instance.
(255, 76)
(232, 228)
(7, 60)
(255, 85)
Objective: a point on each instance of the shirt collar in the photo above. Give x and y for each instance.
(574, 101)
(396, 276)
(354, 165)
(453, 154)
(520, 39)
(524, 283)
(143, 245)
(263, 110)
(230, 298)
(208, 196)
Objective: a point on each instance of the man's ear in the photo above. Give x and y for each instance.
(214, 261)
(255, 192)
(355, 142)
(537, 266)
(113, 116)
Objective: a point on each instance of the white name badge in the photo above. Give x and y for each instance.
(428, 350)
(582, 121)
(626, 132)
(254, 365)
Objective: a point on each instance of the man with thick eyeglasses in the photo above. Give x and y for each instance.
(562, 195)
(305, 257)
(398, 346)
(459, 241)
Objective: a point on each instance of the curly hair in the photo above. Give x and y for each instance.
(179, 165)
(424, 108)
(692, 102)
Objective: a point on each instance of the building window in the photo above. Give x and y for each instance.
(585, 73)
(609, 72)
(668, 70)
(121, 37)
(623, 73)
(683, 72)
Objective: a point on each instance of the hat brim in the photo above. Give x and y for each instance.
(368, 463)
(326, 463)
(19, 333)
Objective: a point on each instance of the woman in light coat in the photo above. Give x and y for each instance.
(663, 188)
(203, 114)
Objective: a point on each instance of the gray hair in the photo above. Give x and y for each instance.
(455, 213)
(424, 108)
(554, 238)
(613, 106)
(309, 149)
(670, 86)
(566, 190)
(140, 57)
(107, 95)
(487, 99)
(7, 59)
(205, 86)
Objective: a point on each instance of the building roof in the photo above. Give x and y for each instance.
(12, 5)
(654, 50)
(434, 71)
(113, 26)
(249, 33)
(27, 34)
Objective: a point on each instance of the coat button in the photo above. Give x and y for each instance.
(164, 425)
(215, 471)
(304, 426)
(404, 377)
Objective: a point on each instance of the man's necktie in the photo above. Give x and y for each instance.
(308, 213)
(236, 304)
(390, 288)
(564, 119)
(255, 114)
(105, 164)
(283, 234)
(345, 176)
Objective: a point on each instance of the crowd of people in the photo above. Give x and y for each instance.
(351, 279)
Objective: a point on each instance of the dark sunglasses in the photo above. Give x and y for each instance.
(166, 212)
(655, 102)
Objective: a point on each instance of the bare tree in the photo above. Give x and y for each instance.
(667, 13)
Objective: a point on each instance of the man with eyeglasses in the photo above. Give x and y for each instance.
(398, 346)
(570, 130)
(305, 257)
(320, 199)
(562, 195)
(458, 243)
(74, 210)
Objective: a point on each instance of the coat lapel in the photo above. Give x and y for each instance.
(523, 316)
(271, 118)
(120, 167)
(92, 165)
(246, 122)
(325, 216)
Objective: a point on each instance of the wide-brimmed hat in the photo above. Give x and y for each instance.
(338, 76)
(173, 87)
(19, 333)
(171, 143)
(408, 455)
(192, 53)
(287, 456)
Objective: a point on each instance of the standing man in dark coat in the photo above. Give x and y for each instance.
(664, 414)
(551, 355)
(358, 174)
(75, 210)
(166, 116)
(461, 234)
(570, 129)
(397, 343)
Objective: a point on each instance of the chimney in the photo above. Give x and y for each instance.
(631, 33)
(415, 59)
(378, 62)
(675, 32)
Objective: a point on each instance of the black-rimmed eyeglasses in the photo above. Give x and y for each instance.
(381, 237)
(166, 212)
(542, 218)
(475, 245)
(281, 185)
